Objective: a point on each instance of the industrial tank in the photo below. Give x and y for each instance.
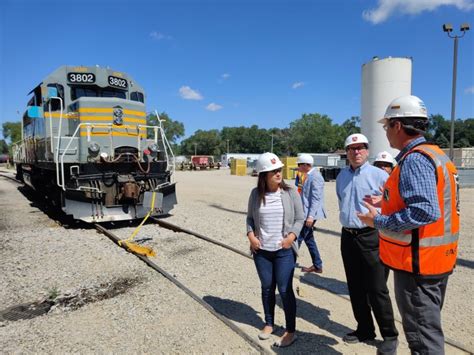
(382, 81)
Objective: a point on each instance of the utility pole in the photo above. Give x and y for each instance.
(195, 148)
(271, 150)
(448, 28)
(227, 146)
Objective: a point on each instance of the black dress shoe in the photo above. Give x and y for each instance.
(388, 347)
(356, 337)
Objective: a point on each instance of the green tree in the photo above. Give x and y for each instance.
(12, 131)
(351, 126)
(203, 143)
(247, 139)
(441, 141)
(173, 129)
(314, 133)
(3, 146)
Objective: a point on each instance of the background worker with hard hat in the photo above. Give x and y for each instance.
(274, 220)
(312, 196)
(418, 223)
(366, 276)
(385, 161)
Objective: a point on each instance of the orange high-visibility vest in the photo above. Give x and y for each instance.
(431, 249)
(300, 179)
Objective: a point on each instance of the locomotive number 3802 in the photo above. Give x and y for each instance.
(81, 77)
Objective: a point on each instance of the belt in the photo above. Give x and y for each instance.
(357, 231)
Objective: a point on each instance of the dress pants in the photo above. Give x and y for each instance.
(367, 282)
(420, 302)
(307, 235)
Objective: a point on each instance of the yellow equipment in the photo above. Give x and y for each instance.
(134, 247)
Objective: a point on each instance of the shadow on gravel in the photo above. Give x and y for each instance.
(235, 311)
(465, 263)
(306, 343)
(325, 283)
(219, 207)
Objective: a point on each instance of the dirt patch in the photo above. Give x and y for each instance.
(68, 301)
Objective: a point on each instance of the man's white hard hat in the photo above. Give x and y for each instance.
(268, 162)
(405, 106)
(356, 138)
(304, 158)
(385, 157)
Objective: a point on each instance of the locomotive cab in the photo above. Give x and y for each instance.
(87, 145)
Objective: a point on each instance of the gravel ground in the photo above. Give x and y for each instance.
(153, 315)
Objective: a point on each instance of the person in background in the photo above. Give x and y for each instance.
(418, 224)
(312, 196)
(366, 276)
(385, 161)
(274, 220)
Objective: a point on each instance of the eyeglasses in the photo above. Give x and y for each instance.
(276, 171)
(389, 124)
(359, 148)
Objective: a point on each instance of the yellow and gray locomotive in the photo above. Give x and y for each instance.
(87, 146)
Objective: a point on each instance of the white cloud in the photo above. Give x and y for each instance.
(158, 36)
(225, 76)
(297, 85)
(189, 94)
(213, 107)
(469, 90)
(387, 8)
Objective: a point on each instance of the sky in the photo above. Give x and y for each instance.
(224, 63)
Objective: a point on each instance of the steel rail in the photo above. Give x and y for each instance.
(176, 228)
(190, 293)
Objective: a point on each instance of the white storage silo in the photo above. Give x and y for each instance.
(382, 81)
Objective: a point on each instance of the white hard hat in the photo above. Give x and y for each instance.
(304, 158)
(268, 162)
(405, 106)
(356, 138)
(385, 157)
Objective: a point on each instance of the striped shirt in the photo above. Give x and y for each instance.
(419, 192)
(271, 222)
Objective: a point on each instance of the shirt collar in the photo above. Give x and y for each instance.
(409, 146)
(360, 168)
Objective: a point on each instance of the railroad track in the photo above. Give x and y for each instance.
(176, 228)
(227, 322)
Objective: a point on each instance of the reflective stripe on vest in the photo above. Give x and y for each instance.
(430, 249)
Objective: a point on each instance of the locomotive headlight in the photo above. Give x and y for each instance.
(94, 148)
(104, 156)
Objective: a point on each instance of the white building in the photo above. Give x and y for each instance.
(251, 158)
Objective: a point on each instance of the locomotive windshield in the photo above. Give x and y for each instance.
(94, 91)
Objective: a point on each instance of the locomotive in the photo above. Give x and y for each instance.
(87, 146)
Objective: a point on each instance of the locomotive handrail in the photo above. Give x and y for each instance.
(88, 126)
(56, 155)
(166, 144)
(51, 121)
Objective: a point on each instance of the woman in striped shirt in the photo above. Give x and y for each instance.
(274, 220)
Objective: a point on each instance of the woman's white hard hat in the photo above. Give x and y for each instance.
(268, 162)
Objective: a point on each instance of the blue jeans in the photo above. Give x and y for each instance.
(307, 235)
(276, 268)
